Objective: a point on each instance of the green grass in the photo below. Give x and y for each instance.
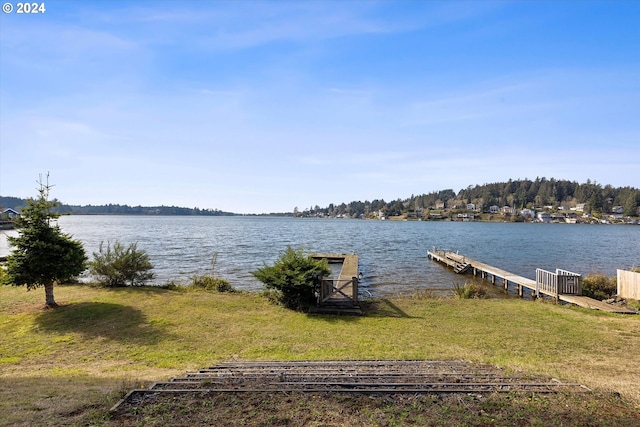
(77, 360)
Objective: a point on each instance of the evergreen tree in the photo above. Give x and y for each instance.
(631, 204)
(42, 253)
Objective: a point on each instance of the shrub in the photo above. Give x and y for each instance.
(295, 277)
(119, 266)
(468, 291)
(210, 282)
(599, 286)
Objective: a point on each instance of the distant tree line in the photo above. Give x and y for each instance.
(518, 194)
(115, 209)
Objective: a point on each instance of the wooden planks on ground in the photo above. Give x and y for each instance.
(587, 302)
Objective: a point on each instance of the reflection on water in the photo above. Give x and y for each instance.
(392, 254)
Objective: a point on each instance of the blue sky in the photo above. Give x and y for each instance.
(256, 107)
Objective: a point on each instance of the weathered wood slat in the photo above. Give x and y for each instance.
(587, 302)
(461, 268)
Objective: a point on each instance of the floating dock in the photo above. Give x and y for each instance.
(562, 285)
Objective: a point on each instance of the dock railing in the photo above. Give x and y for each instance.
(331, 287)
(569, 283)
(560, 282)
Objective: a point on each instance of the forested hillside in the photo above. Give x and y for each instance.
(542, 193)
(518, 194)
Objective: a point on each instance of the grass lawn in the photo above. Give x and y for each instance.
(68, 366)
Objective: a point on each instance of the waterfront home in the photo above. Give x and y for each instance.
(527, 213)
(508, 210)
(571, 218)
(466, 216)
(544, 216)
(10, 213)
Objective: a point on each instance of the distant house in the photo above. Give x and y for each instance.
(494, 209)
(544, 216)
(11, 213)
(580, 207)
(471, 206)
(571, 218)
(508, 210)
(528, 213)
(617, 210)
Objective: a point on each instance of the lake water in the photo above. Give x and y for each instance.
(393, 255)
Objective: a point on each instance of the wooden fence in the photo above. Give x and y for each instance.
(629, 284)
(561, 282)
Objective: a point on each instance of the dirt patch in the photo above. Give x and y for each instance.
(337, 409)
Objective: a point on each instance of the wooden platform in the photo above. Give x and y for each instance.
(340, 296)
(371, 377)
(587, 302)
(489, 272)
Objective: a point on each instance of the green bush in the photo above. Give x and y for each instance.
(120, 266)
(599, 286)
(468, 291)
(295, 278)
(211, 283)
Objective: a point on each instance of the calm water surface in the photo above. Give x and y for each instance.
(392, 254)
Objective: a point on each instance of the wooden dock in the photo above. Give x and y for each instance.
(339, 295)
(566, 287)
